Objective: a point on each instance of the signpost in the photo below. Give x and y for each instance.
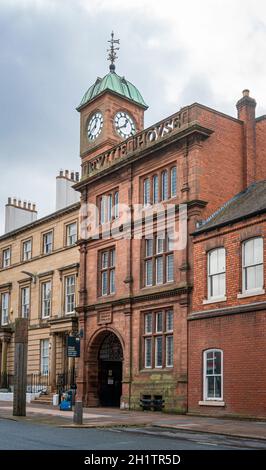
(73, 346)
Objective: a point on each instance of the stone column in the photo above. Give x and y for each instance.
(53, 363)
(20, 367)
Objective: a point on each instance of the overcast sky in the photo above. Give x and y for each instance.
(175, 52)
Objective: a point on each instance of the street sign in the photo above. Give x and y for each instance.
(73, 346)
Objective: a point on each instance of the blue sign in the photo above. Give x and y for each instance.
(73, 346)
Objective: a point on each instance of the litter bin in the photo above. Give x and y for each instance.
(56, 399)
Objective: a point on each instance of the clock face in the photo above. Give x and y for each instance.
(124, 124)
(95, 125)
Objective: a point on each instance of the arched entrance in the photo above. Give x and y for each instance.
(110, 363)
(104, 366)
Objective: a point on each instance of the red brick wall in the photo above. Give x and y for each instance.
(230, 238)
(241, 336)
(261, 149)
(242, 339)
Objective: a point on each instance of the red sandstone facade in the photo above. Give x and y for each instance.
(215, 156)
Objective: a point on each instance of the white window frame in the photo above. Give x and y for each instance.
(5, 308)
(6, 261)
(44, 300)
(155, 189)
(245, 267)
(26, 254)
(70, 294)
(173, 179)
(70, 237)
(205, 389)
(210, 276)
(44, 371)
(45, 244)
(165, 185)
(156, 350)
(146, 340)
(23, 305)
(167, 364)
(146, 192)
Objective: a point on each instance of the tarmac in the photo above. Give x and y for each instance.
(114, 417)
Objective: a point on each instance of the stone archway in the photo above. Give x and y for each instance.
(105, 366)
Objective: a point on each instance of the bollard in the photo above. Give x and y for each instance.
(78, 413)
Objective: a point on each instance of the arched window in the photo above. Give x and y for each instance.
(253, 265)
(155, 188)
(213, 374)
(164, 185)
(216, 274)
(173, 182)
(146, 192)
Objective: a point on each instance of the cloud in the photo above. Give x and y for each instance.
(52, 51)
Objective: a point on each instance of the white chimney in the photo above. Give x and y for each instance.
(17, 214)
(65, 194)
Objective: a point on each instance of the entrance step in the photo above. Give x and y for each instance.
(44, 399)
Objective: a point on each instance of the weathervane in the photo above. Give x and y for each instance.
(112, 56)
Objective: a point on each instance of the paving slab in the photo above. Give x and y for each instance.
(111, 417)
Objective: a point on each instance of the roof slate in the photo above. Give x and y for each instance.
(245, 204)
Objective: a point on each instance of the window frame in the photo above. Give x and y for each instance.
(45, 234)
(153, 334)
(153, 258)
(22, 288)
(4, 250)
(5, 294)
(66, 277)
(42, 316)
(42, 370)
(24, 242)
(211, 276)
(205, 387)
(111, 213)
(110, 267)
(68, 236)
(245, 267)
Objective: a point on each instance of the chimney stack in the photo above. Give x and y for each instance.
(246, 112)
(17, 214)
(65, 194)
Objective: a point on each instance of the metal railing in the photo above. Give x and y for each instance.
(66, 381)
(36, 382)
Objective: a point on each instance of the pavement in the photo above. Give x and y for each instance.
(111, 417)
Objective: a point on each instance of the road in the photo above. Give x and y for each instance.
(18, 435)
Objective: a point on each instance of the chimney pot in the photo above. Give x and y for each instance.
(29, 206)
(77, 176)
(245, 92)
(24, 204)
(61, 173)
(72, 176)
(66, 173)
(14, 201)
(19, 202)
(9, 201)
(34, 207)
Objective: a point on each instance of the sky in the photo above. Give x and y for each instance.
(175, 52)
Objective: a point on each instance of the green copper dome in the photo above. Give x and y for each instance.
(117, 84)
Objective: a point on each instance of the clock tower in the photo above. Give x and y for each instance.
(111, 110)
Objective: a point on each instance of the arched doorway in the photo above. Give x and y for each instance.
(110, 363)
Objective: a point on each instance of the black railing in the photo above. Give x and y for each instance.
(36, 382)
(66, 381)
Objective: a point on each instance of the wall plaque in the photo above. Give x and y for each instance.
(104, 317)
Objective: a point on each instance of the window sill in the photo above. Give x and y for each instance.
(211, 403)
(251, 293)
(214, 300)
